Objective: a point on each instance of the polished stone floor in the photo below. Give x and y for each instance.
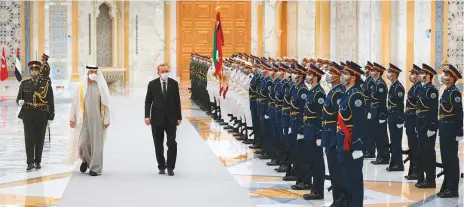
(265, 187)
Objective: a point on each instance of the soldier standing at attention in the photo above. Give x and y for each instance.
(35, 96)
(450, 129)
(45, 69)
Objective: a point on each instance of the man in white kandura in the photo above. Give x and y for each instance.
(89, 118)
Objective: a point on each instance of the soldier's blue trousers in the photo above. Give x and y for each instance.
(381, 139)
(353, 176)
(449, 156)
(335, 170)
(318, 167)
(413, 143)
(428, 156)
(279, 142)
(396, 138)
(255, 122)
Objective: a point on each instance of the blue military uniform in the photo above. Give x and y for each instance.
(312, 125)
(290, 88)
(253, 94)
(329, 138)
(450, 127)
(351, 119)
(378, 117)
(298, 101)
(426, 126)
(281, 143)
(396, 121)
(273, 122)
(410, 124)
(367, 87)
(263, 114)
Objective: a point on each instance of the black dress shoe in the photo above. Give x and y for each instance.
(84, 167)
(249, 141)
(313, 196)
(162, 172)
(30, 167)
(289, 178)
(254, 147)
(227, 127)
(380, 161)
(281, 169)
(412, 176)
(38, 166)
(426, 184)
(369, 155)
(264, 157)
(301, 186)
(448, 194)
(273, 163)
(92, 173)
(170, 172)
(395, 168)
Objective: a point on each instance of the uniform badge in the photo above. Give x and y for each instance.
(400, 94)
(320, 101)
(338, 102)
(433, 95)
(357, 103)
(457, 99)
(361, 85)
(269, 88)
(380, 90)
(303, 96)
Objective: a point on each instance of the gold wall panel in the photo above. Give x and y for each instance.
(195, 30)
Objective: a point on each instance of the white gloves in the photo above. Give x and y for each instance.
(368, 115)
(289, 130)
(50, 122)
(357, 154)
(415, 129)
(299, 136)
(399, 126)
(458, 139)
(430, 133)
(21, 102)
(266, 117)
(382, 121)
(318, 142)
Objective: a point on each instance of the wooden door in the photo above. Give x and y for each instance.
(195, 29)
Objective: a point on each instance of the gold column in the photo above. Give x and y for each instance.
(167, 32)
(283, 21)
(279, 27)
(22, 53)
(41, 29)
(432, 33)
(126, 42)
(386, 33)
(409, 39)
(322, 29)
(260, 28)
(75, 40)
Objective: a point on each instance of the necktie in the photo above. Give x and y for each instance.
(164, 88)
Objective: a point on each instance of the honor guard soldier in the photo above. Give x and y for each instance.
(395, 118)
(312, 126)
(426, 126)
(45, 69)
(254, 94)
(279, 99)
(290, 139)
(298, 102)
(410, 124)
(351, 122)
(378, 115)
(367, 87)
(35, 97)
(329, 133)
(263, 112)
(283, 114)
(450, 129)
(271, 116)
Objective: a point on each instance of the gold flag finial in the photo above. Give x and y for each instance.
(217, 6)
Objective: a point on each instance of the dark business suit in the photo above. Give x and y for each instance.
(163, 108)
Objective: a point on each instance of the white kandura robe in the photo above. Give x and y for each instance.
(87, 138)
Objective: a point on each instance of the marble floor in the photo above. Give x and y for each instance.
(264, 186)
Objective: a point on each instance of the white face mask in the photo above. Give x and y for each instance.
(444, 79)
(294, 76)
(309, 79)
(412, 78)
(373, 74)
(422, 78)
(164, 76)
(344, 79)
(93, 76)
(389, 76)
(279, 74)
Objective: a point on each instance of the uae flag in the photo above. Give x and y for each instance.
(3, 69)
(217, 46)
(18, 74)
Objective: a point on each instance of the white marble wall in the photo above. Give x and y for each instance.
(254, 27)
(173, 43)
(422, 22)
(364, 32)
(292, 29)
(270, 29)
(333, 30)
(399, 38)
(86, 57)
(346, 21)
(376, 31)
(35, 28)
(147, 45)
(306, 29)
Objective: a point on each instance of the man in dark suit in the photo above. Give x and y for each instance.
(163, 113)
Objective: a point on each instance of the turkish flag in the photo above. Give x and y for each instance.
(3, 69)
